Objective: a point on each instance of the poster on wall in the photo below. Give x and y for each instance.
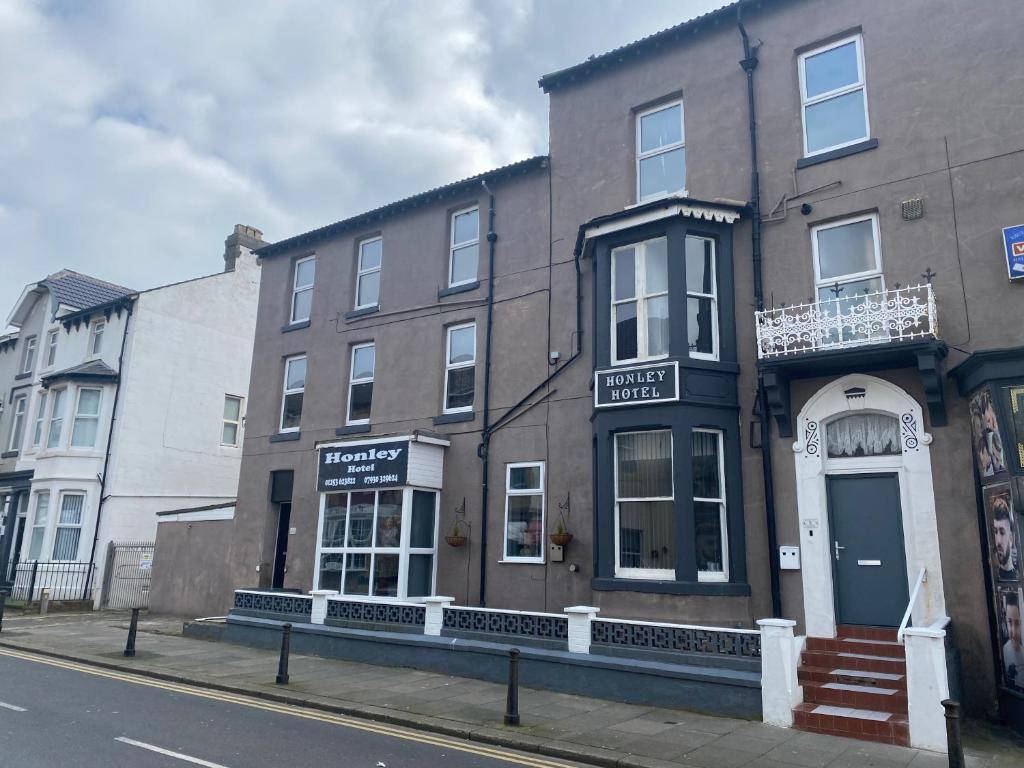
(988, 445)
(1009, 603)
(1015, 408)
(1003, 533)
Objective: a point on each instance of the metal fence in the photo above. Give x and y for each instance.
(128, 573)
(65, 581)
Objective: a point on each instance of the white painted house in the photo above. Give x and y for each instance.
(118, 404)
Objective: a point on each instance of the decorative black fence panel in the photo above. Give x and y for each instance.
(273, 605)
(653, 637)
(65, 581)
(512, 624)
(375, 613)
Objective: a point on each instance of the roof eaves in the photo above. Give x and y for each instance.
(398, 206)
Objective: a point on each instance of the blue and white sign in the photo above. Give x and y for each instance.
(1013, 244)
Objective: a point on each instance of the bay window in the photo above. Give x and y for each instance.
(645, 520)
(37, 429)
(640, 317)
(378, 543)
(87, 416)
(701, 298)
(524, 512)
(41, 515)
(69, 527)
(56, 428)
(709, 504)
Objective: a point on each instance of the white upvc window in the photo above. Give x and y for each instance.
(40, 518)
(69, 526)
(524, 512)
(87, 418)
(660, 152)
(709, 521)
(28, 354)
(37, 429)
(51, 346)
(360, 383)
(847, 267)
(54, 432)
(464, 249)
(20, 406)
(701, 298)
(378, 544)
(640, 315)
(645, 518)
(231, 423)
(460, 368)
(293, 391)
(96, 338)
(833, 96)
(371, 254)
(302, 289)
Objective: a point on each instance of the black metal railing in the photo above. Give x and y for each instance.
(65, 581)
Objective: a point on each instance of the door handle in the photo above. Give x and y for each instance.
(838, 548)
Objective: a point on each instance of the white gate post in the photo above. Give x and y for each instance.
(319, 610)
(580, 617)
(434, 619)
(927, 686)
(780, 657)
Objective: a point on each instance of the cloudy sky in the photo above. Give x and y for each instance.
(135, 134)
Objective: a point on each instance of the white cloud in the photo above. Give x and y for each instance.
(135, 133)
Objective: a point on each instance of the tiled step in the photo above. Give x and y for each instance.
(858, 661)
(867, 633)
(869, 725)
(857, 696)
(882, 648)
(833, 674)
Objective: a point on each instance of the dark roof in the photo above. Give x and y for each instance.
(448, 190)
(642, 47)
(73, 289)
(94, 370)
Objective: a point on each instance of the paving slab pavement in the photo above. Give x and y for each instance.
(555, 724)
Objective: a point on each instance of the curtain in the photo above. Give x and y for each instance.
(863, 434)
(645, 465)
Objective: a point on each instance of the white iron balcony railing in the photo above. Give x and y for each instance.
(900, 314)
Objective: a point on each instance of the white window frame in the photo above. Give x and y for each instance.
(453, 246)
(42, 527)
(404, 550)
(538, 491)
(55, 395)
(28, 354)
(660, 150)
(353, 380)
(860, 85)
(640, 298)
(52, 337)
(96, 337)
(722, 575)
(715, 350)
(238, 424)
(19, 414)
(820, 282)
(297, 289)
(449, 366)
(285, 392)
(361, 273)
(77, 417)
(80, 525)
(658, 574)
(42, 402)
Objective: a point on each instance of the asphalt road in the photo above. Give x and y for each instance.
(56, 713)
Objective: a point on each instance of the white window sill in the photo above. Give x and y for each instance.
(521, 561)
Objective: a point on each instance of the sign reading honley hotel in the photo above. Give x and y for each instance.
(636, 385)
(363, 465)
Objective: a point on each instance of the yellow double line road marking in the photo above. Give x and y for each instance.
(294, 711)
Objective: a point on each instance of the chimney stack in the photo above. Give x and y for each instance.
(244, 236)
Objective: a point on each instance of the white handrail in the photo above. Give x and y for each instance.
(922, 577)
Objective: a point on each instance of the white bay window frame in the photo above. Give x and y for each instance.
(722, 575)
(713, 297)
(40, 522)
(42, 398)
(84, 419)
(641, 298)
(55, 423)
(659, 574)
(19, 415)
(63, 524)
(859, 85)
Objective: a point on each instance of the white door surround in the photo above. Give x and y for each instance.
(858, 392)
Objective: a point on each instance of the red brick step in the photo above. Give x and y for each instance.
(883, 727)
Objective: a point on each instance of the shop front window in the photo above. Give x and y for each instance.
(378, 543)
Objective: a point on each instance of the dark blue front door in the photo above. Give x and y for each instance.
(869, 564)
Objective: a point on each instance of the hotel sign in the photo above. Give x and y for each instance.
(359, 466)
(636, 385)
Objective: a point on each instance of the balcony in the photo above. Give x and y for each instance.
(896, 328)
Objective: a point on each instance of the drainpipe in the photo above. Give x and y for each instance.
(485, 439)
(749, 64)
(106, 457)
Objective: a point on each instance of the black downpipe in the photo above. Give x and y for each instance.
(749, 64)
(106, 457)
(483, 450)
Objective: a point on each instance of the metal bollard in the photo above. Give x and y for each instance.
(3, 604)
(954, 745)
(44, 602)
(129, 648)
(282, 665)
(512, 700)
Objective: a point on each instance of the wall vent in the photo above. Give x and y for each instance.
(912, 209)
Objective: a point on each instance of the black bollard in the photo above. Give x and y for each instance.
(282, 665)
(512, 700)
(953, 743)
(129, 648)
(3, 603)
